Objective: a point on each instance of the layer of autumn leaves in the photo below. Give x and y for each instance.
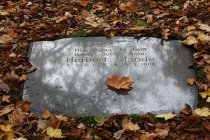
(24, 21)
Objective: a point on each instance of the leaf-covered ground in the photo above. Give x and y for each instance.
(24, 21)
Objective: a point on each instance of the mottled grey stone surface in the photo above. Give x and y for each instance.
(71, 76)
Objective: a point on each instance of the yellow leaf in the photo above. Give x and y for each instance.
(45, 114)
(205, 93)
(129, 125)
(204, 112)
(5, 39)
(6, 128)
(190, 81)
(54, 133)
(67, 14)
(41, 25)
(5, 98)
(203, 37)
(137, 28)
(190, 28)
(208, 100)
(189, 41)
(166, 116)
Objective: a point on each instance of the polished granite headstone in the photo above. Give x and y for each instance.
(72, 72)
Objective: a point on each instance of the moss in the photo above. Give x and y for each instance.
(148, 11)
(134, 117)
(89, 6)
(65, 129)
(88, 121)
(80, 33)
(201, 75)
(160, 120)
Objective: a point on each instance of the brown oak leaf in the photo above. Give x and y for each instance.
(119, 83)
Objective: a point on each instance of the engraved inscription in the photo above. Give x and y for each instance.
(80, 57)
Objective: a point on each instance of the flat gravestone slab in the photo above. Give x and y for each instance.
(71, 76)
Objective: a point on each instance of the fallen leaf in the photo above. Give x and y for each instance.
(84, 2)
(176, 7)
(42, 124)
(118, 82)
(4, 86)
(10, 135)
(6, 128)
(20, 138)
(187, 110)
(54, 133)
(62, 118)
(45, 114)
(5, 39)
(24, 105)
(166, 116)
(5, 98)
(6, 110)
(190, 28)
(116, 21)
(165, 33)
(152, 4)
(118, 134)
(12, 55)
(128, 7)
(17, 117)
(167, 3)
(161, 133)
(137, 28)
(208, 100)
(203, 37)
(129, 125)
(11, 32)
(146, 136)
(204, 27)
(189, 41)
(149, 19)
(205, 94)
(204, 112)
(41, 25)
(4, 13)
(81, 126)
(190, 81)
(67, 14)
(23, 77)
